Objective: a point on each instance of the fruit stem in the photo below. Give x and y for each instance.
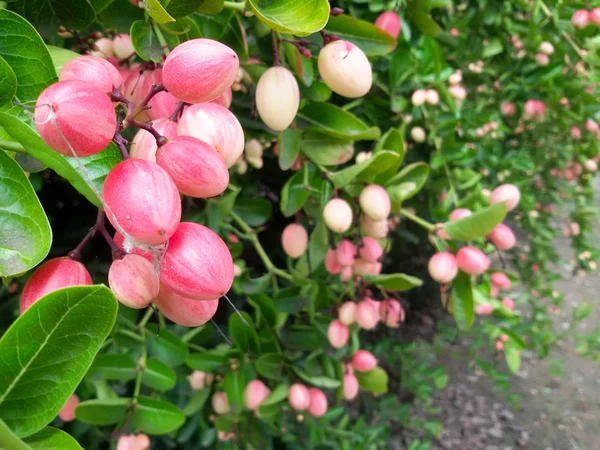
(76, 253)
(141, 366)
(155, 89)
(276, 60)
(240, 6)
(175, 116)
(12, 146)
(146, 318)
(160, 139)
(117, 253)
(428, 226)
(121, 144)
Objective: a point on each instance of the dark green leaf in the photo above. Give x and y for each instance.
(197, 401)
(113, 367)
(8, 82)
(146, 43)
(182, 8)
(155, 416)
(478, 224)
(290, 300)
(211, 6)
(288, 145)
(371, 40)
(157, 375)
(394, 282)
(167, 346)
(50, 438)
(103, 412)
(381, 162)
(317, 380)
(265, 304)
(244, 336)
(493, 47)
(254, 211)
(270, 365)
(234, 385)
(375, 380)
(207, 361)
(333, 121)
(298, 17)
(326, 150)
(461, 301)
(418, 11)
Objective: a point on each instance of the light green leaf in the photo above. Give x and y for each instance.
(155, 416)
(50, 438)
(317, 380)
(513, 358)
(8, 440)
(103, 412)
(278, 395)
(418, 12)
(375, 380)
(146, 43)
(47, 351)
(157, 375)
(371, 40)
(478, 224)
(182, 8)
(333, 121)
(326, 150)
(407, 183)
(394, 282)
(157, 12)
(25, 234)
(211, 6)
(493, 48)
(243, 336)
(207, 361)
(461, 301)
(8, 82)
(298, 17)
(379, 163)
(60, 56)
(288, 144)
(197, 401)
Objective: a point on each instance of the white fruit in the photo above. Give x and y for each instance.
(277, 98)
(345, 69)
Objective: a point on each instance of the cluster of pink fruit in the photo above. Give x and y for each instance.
(582, 18)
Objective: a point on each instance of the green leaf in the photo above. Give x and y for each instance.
(375, 380)
(146, 43)
(99, 164)
(182, 8)
(265, 304)
(50, 438)
(60, 56)
(197, 401)
(155, 416)
(407, 183)
(326, 150)
(461, 301)
(300, 337)
(394, 282)
(381, 162)
(120, 367)
(207, 361)
(254, 211)
(392, 140)
(166, 346)
(25, 234)
(157, 375)
(47, 351)
(158, 12)
(8, 440)
(279, 394)
(25, 52)
(211, 6)
(478, 224)
(102, 412)
(298, 17)
(270, 365)
(288, 145)
(333, 121)
(371, 39)
(513, 358)
(290, 300)
(494, 47)
(213, 26)
(234, 385)
(243, 336)
(293, 195)
(317, 380)
(317, 244)
(8, 82)
(72, 15)
(418, 12)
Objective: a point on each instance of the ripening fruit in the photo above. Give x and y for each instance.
(215, 125)
(183, 310)
(345, 253)
(122, 46)
(391, 313)
(455, 78)
(375, 202)
(331, 264)
(363, 361)
(508, 303)
(418, 135)
(472, 261)
(350, 386)
(196, 168)
(580, 19)
(220, 403)
(318, 403)
(104, 48)
(197, 263)
(546, 48)
(294, 240)
(54, 274)
(224, 99)
(390, 22)
(299, 397)
(277, 98)
(460, 213)
(255, 394)
(362, 267)
(345, 69)
(502, 237)
(576, 133)
(67, 412)
(73, 113)
(377, 229)
(142, 200)
(370, 251)
(419, 97)
(432, 97)
(200, 70)
(134, 281)
(347, 313)
(367, 314)
(542, 59)
(200, 380)
(442, 267)
(500, 280)
(457, 92)
(507, 193)
(144, 146)
(484, 309)
(133, 442)
(591, 126)
(337, 215)
(590, 165)
(594, 16)
(346, 274)
(508, 109)
(338, 334)
(98, 72)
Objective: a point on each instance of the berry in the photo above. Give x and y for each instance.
(133, 442)
(484, 309)
(350, 386)
(418, 134)
(67, 412)
(255, 394)
(442, 267)
(299, 397)
(224, 99)
(594, 16)
(318, 403)
(389, 21)
(104, 48)
(432, 97)
(508, 109)
(580, 19)
(337, 215)
(418, 97)
(546, 48)
(294, 240)
(363, 361)
(200, 70)
(576, 133)
(500, 280)
(362, 267)
(277, 98)
(142, 200)
(507, 193)
(134, 281)
(508, 303)
(185, 311)
(73, 113)
(460, 213)
(591, 126)
(391, 313)
(345, 274)
(144, 145)
(367, 314)
(590, 165)
(347, 313)
(377, 229)
(200, 380)
(371, 251)
(345, 253)
(331, 264)
(542, 59)
(345, 69)
(338, 334)
(375, 202)
(472, 261)
(502, 237)
(122, 46)
(98, 72)
(220, 403)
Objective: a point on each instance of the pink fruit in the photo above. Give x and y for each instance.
(432, 97)
(200, 70)
(277, 98)
(542, 59)
(389, 21)
(362, 267)
(122, 46)
(580, 19)
(224, 99)
(299, 397)
(363, 361)
(391, 313)
(225, 436)
(508, 303)
(547, 48)
(331, 264)
(294, 240)
(54, 274)
(134, 281)
(200, 380)
(67, 413)
(135, 88)
(500, 280)
(508, 109)
(591, 126)
(144, 146)
(375, 202)
(129, 248)
(337, 215)
(443, 267)
(418, 97)
(345, 69)
(345, 253)
(576, 133)
(104, 48)
(98, 72)
(350, 387)
(502, 237)
(347, 313)
(142, 200)
(484, 309)
(594, 16)
(133, 442)
(318, 403)
(183, 310)
(460, 213)
(196, 168)
(220, 403)
(215, 125)
(507, 193)
(338, 334)
(370, 251)
(197, 264)
(255, 394)
(367, 314)
(377, 229)
(73, 113)
(472, 261)
(345, 274)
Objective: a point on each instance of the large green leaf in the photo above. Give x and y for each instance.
(371, 40)
(207, 361)
(50, 438)
(120, 367)
(8, 82)
(8, 440)
(155, 416)
(96, 166)
(299, 17)
(60, 56)
(394, 281)
(25, 233)
(72, 15)
(333, 121)
(375, 380)
(157, 375)
(381, 162)
(25, 52)
(326, 150)
(158, 12)
(478, 224)
(461, 301)
(47, 351)
(103, 412)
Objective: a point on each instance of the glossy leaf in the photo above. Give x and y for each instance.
(61, 56)
(293, 195)
(103, 412)
(166, 346)
(394, 282)
(298, 17)
(288, 145)
(234, 385)
(8, 82)
(277, 395)
(418, 11)
(8, 440)
(392, 140)
(478, 224)
(50, 438)
(207, 361)
(301, 337)
(379, 163)
(146, 43)
(270, 365)
(461, 301)
(113, 367)
(254, 211)
(181, 8)
(158, 12)
(333, 121)
(197, 401)
(243, 336)
(371, 40)
(407, 183)
(326, 150)
(375, 380)
(155, 416)
(157, 375)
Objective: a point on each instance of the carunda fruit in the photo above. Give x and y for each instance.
(294, 240)
(507, 193)
(502, 237)
(347, 313)
(338, 334)
(277, 98)
(67, 413)
(71, 113)
(390, 22)
(133, 442)
(350, 386)
(370, 250)
(345, 253)
(255, 394)
(54, 274)
(375, 202)
(391, 313)
(299, 397)
(337, 215)
(318, 403)
(185, 311)
(134, 281)
(144, 145)
(345, 69)
(363, 361)
(98, 72)
(220, 403)
(472, 261)
(367, 314)
(442, 267)
(142, 200)
(197, 264)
